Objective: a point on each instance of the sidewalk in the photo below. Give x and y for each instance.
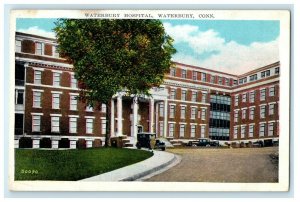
(157, 162)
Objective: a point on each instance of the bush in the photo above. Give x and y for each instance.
(97, 143)
(81, 144)
(45, 143)
(64, 143)
(25, 142)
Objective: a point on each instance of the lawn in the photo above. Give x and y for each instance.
(71, 165)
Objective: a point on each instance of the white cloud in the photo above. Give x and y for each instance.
(37, 31)
(230, 57)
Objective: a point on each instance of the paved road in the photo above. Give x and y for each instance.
(222, 165)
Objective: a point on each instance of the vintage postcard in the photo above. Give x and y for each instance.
(149, 100)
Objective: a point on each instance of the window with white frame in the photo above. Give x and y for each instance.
(183, 73)
(37, 77)
(194, 96)
(226, 81)
(89, 125)
(263, 94)
(262, 129)
(244, 97)
(73, 102)
(182, 112)
(36, 123)
(272, 91)
(183, 94)
(182, 130)
(103, 126)
(262, 111)
(220, 80)
(55, 124)
(173, 72)
(194, 75)
(203, 77)
(277, 70)
(236, 116)
(171, 129)
(56, 79)
(193, 130)
(204, 95)
(236, 100)
(244, 114)
(38, 48)
(19, 99)
(243, 130)
(252, 96)
(193, 112)
(212, 79)
(172, 93)
(37, 99)
(89, 108)
(271, 109)
(161, 109)
(202, 131)
(55, 51)
(73, 81)
(73, 125)
(251, 113)
(271, 129)
(172, 111)
(18, 46)
(103, 108)
(235, 133)
(203, 114)
(161, 128)
(55, 100)
(251, 130)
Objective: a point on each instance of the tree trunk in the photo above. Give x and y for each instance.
(108, 115)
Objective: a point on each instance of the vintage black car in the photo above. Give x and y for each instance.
(148, 140)
(206, 142)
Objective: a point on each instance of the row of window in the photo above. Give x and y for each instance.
(39, 48)
(184, 95)
(262, 112)
(251, 96)
(264, 129)
(182, 130)
(262, 75)
(183, 108)
(73, 127)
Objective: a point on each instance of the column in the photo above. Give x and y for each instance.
(119, 111)
(89, 143)
(165, 117)
(112, 118)
(17, 143)
(36, 143)
(151, 115)
(135, 118)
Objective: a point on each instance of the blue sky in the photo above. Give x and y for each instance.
(225, 45)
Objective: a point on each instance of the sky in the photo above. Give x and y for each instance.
(232, 46)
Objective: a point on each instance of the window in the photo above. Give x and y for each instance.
(235, 82)
(272, 91)
(194, 75)
(173, 72)
(56, 79)
(89, 125)
(183, 73)
(244, 114)
(161, 128)
(161, 110)
(18, 46)
(182, 130)
(194, 96)
(251, 130)
(253, 77)
(172, 111)
(103, 108)
(236, 116)
(252, 96)
(73, 102)
(203, 114)
(263, 94)
(243, 129)
(235, 132)
(203, 97)
(244, 97)
(55, 124)
(243, 80)
(262, 129)
(172, 93)
(265, 74)
(183, 94)
(220, 80)
(55, 100)
(73, 81)
(262, 111)
(73, 125)
(212, 79)
(38, 48)
(36, 123)
(55, 52)
(268, 73)
(193, 112)
(19, 99)
(271, 109)
(202, 132)
(103, 127)
(89, 108)
(226, 81)
(37, 99)
(182, 112)
(171, 129)
(37, 77)
(271, 129)
(193, 130)
(203, 77)
(236, 100)
(277, 70)
(251, 113)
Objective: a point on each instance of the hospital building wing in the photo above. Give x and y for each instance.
(192, 103)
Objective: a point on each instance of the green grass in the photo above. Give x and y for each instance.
(70, 165)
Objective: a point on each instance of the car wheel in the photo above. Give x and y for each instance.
(208, 145)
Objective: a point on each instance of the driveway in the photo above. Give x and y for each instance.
(222, 165)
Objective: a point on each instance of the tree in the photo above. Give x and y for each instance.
(113, 55)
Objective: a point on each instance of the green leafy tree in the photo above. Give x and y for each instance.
(110, 56)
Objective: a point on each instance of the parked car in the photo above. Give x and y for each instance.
(206, 142)
(148, 140)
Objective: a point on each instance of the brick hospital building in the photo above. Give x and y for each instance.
(192, 103)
